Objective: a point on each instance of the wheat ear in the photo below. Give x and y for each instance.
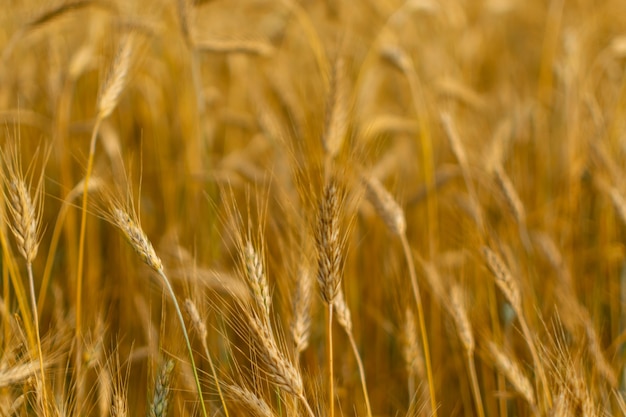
(253, 402)
(161, 395)
(301, 323)
(257, 279)
(25, 213)
(143, 247)
(280, 369)
(514, 374)
(329, 266)
(464, 330)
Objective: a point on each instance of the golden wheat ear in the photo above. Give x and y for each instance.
(25, 208)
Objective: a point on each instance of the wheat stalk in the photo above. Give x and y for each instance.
(25, 212)
(192, 310)
(130, 228)
(344, 318)
(392, 214)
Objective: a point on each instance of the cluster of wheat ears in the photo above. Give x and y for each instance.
(313, 208)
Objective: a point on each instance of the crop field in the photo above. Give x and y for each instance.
(312, 208)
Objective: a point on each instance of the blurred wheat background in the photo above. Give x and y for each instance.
(316, 208)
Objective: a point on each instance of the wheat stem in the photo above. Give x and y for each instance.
(471, 367)
(172, 295)
(195, 317)
(359, 364)
(331, 393)
(33, 300)
(81, 252)
(420, 317)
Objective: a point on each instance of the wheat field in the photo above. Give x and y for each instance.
(313, 208)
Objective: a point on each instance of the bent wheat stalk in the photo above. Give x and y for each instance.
(142, 246)
(201, 327)
(393, 216)
(344, 318)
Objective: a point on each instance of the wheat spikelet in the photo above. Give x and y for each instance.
(119, 408)
(301, 323)
(410, 347)
(117, 79)
(459, 314)
(336, 123)
(257, 279)
(158, 407)
(280, 370)
(194, 315)
(17, 373)
(105, 392)
(344, 318)
(505, 281)
(386, 206)
(136, 237)
(250, 400)
(513, 373)
(328, 243)
(436, 282)
(24, 210)
(512, 198)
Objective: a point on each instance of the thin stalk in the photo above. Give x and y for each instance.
(170, 290)
(81, 243)
(217, 384)
(538, 366)
(359, 363)
(33, 300)
(307, 406)
(420, 316)
(471, 367)
(330, 361)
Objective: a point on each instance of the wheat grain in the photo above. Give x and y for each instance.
(336, 123)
